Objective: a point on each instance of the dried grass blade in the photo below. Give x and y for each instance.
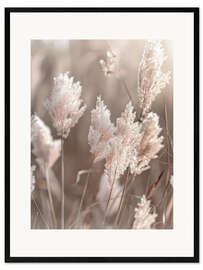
(154, 185)
(80, 173)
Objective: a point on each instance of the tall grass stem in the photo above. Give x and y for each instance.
(109, 198)
(82, 199)
(50, 199)
(62, 184)
(40, 213)
(121, 200)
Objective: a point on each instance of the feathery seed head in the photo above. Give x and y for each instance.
(149, 144)
(117, 159)
(45, 149)
(64, 104)
(100, 131)
(111, 65)
(130, 132)
(144, 218)
(151, 79)
(125, 123)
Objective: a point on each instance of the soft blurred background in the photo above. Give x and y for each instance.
(81, 59)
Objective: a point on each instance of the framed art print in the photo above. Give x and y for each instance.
(102, 134)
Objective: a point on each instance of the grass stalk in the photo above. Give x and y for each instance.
(82, 200)
(62, 184)
(124, 84)
(121, 200)
(40, 213)
(50, 199)
(109, 198)
(128, 186)
(168, 143)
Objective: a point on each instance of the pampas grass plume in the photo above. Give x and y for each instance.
(64, 104)
(151, 78)
(45, 149)
(110, 66)
(144, 218)
(101, 130)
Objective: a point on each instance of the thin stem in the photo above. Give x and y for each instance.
(50, 198)
(121, 200)
(121, 79)
(164, 193)
(128, 185)
(129, 224)
(169, 210)
(167, 183)
(40, 213)
(82, 200)
(109, 198)
(35, 221)
(126, 89)
(62, 184)
(167, 139)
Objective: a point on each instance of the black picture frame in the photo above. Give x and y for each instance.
(8, 257)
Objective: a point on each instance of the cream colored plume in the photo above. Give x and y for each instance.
(45, 149)
(110, 66)
(64, 104)
(144, 217)
(101, 130)
(151, 78)
(148, 144)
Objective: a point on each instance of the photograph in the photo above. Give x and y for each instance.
(101, 134)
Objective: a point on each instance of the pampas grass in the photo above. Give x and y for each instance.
(151, 78)
(123, 148)
(64, 107)
(144, 216)
(46, 151)
(111, 65)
